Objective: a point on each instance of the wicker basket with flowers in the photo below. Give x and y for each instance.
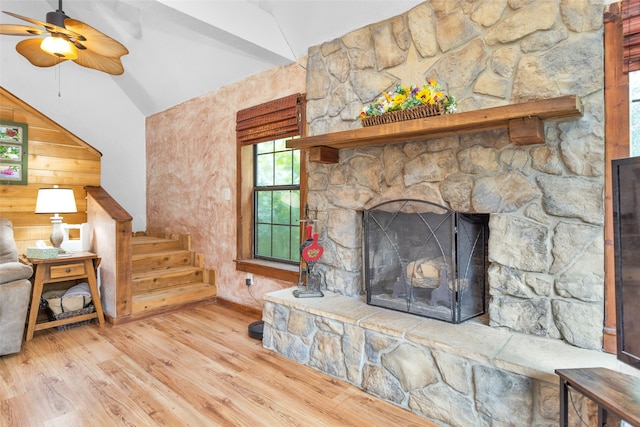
(408, 103)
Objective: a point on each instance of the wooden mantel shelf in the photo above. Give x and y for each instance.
(524, 121)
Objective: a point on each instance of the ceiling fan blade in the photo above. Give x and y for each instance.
(26, 18)
(19, 30)
(30, 49)
(95, 40)
(90, 59)
(49, 27)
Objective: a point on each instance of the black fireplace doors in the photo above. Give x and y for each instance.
(426, 259)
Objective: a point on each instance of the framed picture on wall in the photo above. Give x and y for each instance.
(14, 145)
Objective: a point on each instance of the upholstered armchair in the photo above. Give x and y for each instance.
(15, 291)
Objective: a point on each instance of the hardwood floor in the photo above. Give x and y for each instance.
(197, 367)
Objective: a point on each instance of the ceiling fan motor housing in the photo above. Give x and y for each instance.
(57, 18)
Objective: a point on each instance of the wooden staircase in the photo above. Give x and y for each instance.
(167, 275)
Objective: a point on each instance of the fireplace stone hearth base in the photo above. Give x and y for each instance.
(428, 366)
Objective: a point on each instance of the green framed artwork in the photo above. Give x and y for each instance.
(14, 147)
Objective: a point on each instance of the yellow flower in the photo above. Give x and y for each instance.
(399, 98)
(424, 95)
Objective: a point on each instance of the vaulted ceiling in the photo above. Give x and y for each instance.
(180, 49)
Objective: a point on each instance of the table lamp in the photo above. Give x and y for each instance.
(56, 201)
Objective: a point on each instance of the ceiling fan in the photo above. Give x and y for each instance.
(66, 38)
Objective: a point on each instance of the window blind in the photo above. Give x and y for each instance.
(631, 33)
(272, 120)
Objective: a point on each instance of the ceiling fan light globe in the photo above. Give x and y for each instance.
(60, 47)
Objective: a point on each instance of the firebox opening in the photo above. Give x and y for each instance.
(426, 259)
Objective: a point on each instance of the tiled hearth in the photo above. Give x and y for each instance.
(425, 365)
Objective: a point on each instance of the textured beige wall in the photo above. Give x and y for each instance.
(191, 162)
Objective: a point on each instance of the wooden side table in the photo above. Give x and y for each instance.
(79, 265)
(613, 391)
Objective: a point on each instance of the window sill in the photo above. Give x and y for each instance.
(271, 269)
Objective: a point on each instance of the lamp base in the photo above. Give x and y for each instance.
(57, 236)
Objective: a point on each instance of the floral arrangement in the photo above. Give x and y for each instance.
(407, 97)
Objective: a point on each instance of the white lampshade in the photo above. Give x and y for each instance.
(55, 200)
(59, 46)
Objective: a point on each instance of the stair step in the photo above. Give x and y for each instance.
(155, 279)
(151, 244)
(167, 275)
(161, 260)
(173, 295)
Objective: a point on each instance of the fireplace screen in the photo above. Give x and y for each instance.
(426, 259)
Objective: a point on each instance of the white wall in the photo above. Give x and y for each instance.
(112, 124)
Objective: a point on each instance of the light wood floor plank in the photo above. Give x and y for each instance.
(159, 402)
(196, 367)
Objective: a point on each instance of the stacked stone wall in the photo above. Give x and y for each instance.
(546, 201)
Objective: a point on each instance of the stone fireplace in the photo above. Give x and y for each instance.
(545, 205)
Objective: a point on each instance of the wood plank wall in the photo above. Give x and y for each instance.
(56, 156)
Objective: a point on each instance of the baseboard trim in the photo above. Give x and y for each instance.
(165, 310)
(239, 307)
(160, 311)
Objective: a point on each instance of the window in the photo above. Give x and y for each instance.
(271, 188)
(276, 204)
(634, 113)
